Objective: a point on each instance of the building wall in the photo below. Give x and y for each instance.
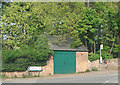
(81, 61)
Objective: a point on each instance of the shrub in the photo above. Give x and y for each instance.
(87, 70)
(94, 69)
(20, 59)
(105, 55)
(93, 57)
(49, 73)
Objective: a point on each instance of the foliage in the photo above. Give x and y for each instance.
(20, 59)
(87, 70)
(85, 25)
(93, 57)
(24, 27)
(105, 55)
(94, 69)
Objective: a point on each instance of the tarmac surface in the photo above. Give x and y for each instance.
(105, 76)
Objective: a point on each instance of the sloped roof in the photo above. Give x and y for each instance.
(63, 43)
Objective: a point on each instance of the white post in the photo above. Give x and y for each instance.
(101, 47)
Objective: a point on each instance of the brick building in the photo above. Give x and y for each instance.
(66, 59)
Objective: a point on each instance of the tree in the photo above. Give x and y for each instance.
(20, 24)
(24, 43)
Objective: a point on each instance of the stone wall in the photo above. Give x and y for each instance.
(46, 70)
(81, 61)
(112, 64)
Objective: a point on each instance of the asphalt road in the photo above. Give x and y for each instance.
(91, 77)
(109, 78)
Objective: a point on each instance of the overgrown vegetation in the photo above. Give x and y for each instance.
(20, 59)
(94, 69)
(87, 70)
(105, 55)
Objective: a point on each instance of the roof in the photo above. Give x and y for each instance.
(62, 43)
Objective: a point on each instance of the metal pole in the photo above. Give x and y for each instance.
(100, 57)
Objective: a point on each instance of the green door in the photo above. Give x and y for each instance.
(64, 62)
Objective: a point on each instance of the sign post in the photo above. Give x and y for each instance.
(35, 69)
(101, 47)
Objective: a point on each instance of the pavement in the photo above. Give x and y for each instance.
(106, 76)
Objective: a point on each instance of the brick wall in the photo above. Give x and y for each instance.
(93, 64)
(81, 61)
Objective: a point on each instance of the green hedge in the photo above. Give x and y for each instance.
(35, 54)
(19, 60)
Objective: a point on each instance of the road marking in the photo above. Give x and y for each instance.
(109, 81)
(106, 81)
(0, 82)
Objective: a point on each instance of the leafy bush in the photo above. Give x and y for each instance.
(93, 57)
(17, 60)
(20, 59)
(94, 69)
(49, 73)
(105, 55)
(87, 70)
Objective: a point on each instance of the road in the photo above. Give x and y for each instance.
(90, 77)
(110, 78)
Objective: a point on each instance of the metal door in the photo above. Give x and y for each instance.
(64, 62)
